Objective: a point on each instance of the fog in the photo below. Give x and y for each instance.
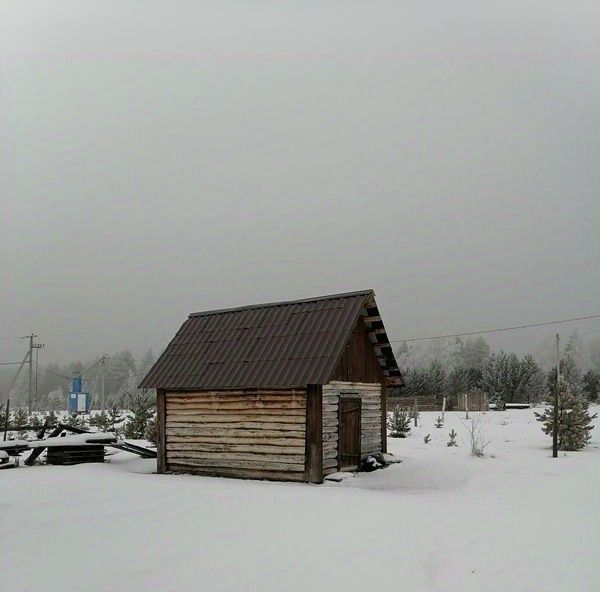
(160, 158)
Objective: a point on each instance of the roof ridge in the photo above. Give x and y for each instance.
(282, 303)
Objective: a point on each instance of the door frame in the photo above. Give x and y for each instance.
(354, 396)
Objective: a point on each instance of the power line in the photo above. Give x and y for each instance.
(44, 369)
(90, 366)
(9, 363)
(595, 316)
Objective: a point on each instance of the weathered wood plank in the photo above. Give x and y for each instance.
(338, 384)
(226, 405)
(237, 418)
(230, 432)
(242, 425)
(372, 423)
(370, 446)
(239, 464)
(188, 444)
(237, 473)
(267, 394)
(281, 412)
(279, 458)
(284, 442)
(192, 439)
(161, 450)
(383, 431)
(314, 434)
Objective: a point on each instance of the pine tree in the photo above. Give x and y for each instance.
(51, 418)
(570, 374)
(574, 420)
(399, 422)
(151, 431)
(532, 383)
(35, 420)
(115, 418)
(75, 421)
(452, 441)
(19, 420)
(100, 421)
(591, 385)
(474, 353)
(141, 406)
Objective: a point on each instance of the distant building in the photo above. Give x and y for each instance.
(285, 391)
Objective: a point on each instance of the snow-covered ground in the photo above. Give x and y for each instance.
(516, 520)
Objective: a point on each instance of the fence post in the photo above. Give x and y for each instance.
(466, 406)
(416, 411)
(443, 408)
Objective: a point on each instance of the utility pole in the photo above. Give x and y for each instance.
(30, 396)
(555, 426)
(102, 362)
(37, 347)
(16, 376)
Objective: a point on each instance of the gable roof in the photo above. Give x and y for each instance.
(275, 345)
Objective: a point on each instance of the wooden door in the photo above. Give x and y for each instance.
(349, 433)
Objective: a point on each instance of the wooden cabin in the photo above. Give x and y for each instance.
(287, 391)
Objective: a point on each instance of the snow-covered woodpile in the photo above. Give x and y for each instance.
(237, 434)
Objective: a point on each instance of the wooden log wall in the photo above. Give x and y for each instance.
(247, 434)
(371, 420)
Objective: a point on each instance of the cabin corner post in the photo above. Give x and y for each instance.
(161, 447)
(383, 418)
(314, 434)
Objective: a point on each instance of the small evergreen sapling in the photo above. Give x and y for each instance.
(439, 422)
(51, 418)
(75, 421)
(35, 420)
(100, 421)
(142, 407)
(399, 422)
(452, 441)
(151, 431)
(427, 439)
(18, 421)
(115, 418)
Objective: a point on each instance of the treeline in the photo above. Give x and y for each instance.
(454, 368)
(122, 374)
(136, 421)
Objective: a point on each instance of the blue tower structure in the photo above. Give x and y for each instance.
(79, 402)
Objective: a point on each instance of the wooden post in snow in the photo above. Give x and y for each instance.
(555, 423)
(416, 411)
(443, 408)
(7, 417)
(466, 406)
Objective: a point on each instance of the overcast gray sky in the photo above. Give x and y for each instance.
(159, 158)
